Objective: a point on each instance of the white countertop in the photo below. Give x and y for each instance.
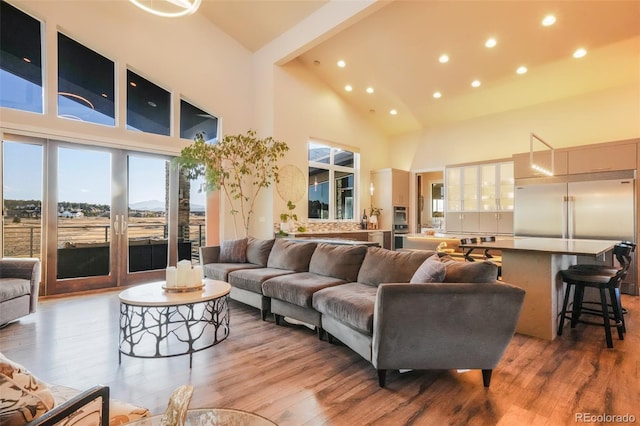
(302, 234)
(549, 245)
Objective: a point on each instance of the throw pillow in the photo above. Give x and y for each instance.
(431, 271)
(470, 272)
(24, 397)
(233, 251)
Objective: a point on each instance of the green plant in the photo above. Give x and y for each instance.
(374, 211)
(284, 217)
(240, 165)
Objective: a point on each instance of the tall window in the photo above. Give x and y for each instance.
(20, 60)
(333, 173)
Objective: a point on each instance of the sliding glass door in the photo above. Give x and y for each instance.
(97, 217)
(22, 199)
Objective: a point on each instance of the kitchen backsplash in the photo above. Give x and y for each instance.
(324, 226)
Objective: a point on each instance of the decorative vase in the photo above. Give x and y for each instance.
(374, 221)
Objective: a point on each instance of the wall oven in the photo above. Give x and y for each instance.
(400, 226)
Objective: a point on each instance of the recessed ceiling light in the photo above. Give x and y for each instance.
(490, 42)
(475, 83)
(548, 20)
(437, 95)
(152, 104)
(26, 60)
(132, 84)
(104, 95)
(521, 70)
(443, 59)
(369, 89)
(393, 112)
(579, 53)
(348, 88)
(342, 63)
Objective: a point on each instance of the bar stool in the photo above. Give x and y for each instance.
(467, 254)
(605, 280)
(623, 256)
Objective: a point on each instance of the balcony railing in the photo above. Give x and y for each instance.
(24, 241)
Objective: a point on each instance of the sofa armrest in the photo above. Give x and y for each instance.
(444, 325)
(24, 268)
(209, 254)
(69, 407)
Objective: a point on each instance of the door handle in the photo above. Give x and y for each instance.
(124, 226)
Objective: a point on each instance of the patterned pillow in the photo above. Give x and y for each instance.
(24, 397)
(120, 413)
(432, 270)
(233, 251)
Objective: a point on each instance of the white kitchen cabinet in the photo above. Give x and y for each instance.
(462, 222)
(602, 158)
(480, 198)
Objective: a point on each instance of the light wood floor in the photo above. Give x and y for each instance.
(287, 375)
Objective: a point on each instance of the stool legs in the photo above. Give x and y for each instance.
(576, 312)
(605, 317)
(563, 313)
(578, 297)
(617, 312)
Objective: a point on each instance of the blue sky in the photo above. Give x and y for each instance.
(84, 175)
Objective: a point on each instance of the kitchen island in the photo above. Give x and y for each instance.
(534, 264)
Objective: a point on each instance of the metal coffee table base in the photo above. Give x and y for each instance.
(167, 331)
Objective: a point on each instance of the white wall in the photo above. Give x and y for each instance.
(597, 117)
(305, 108)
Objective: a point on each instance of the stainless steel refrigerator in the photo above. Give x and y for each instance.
(597, 206)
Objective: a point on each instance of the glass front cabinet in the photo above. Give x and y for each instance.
(480, 198)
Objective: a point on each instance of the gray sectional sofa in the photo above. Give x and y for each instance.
(398, 310)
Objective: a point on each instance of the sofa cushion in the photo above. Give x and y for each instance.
(252, 279)
(337, 261)
(258, 251)
(10, 288)
(291, 255)
(233, 251)
(220, 271)
(24, 397)
(385, 266)
(298, 288)
(351, 303)
(432, 270)
(470, 272)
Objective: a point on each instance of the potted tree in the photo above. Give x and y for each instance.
(240, 165)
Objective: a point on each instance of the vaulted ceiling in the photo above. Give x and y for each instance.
(396, 49)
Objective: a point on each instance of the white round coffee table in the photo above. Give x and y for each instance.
(155, 323)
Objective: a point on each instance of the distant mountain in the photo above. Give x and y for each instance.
(158, 206)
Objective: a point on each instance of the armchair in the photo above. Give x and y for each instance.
(19, 282)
